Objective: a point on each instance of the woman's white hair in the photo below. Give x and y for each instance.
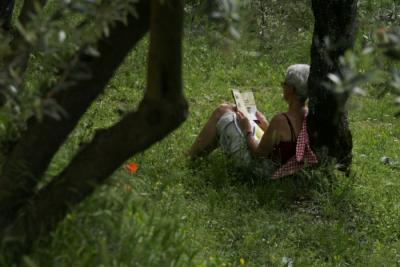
(297, 76)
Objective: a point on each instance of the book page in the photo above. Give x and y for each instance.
(245, 102)
(250, 103)
(237, 96)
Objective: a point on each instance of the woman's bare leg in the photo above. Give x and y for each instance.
(207, 141)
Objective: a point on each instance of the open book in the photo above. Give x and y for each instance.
(246, 103)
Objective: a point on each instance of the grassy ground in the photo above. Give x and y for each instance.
(176, 213)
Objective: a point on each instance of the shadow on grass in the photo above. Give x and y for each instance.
(307, 188)
(321, 208)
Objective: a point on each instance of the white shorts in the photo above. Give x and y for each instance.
(233, 143)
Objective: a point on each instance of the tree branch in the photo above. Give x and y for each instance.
(111, 147)
(165, 60)
(32, 155)
(6, 11)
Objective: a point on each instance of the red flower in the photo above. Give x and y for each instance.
(131, 167)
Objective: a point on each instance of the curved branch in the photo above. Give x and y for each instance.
(162, 110)
(33, 153)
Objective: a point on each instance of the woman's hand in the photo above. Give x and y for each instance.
(263, 123)
(243, 122)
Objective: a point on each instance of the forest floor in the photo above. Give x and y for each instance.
(173, 212)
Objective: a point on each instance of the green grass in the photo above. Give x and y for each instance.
(176, 213)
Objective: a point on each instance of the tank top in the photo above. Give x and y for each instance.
(284, 150)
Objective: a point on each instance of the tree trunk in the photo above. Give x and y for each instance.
(162, 110)
(334, 33)
(6, 10)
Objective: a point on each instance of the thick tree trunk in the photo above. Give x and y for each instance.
(33, 153)
(6, 11)
(334, 33)
(162, 110)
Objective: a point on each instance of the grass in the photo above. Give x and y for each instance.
(176, 213)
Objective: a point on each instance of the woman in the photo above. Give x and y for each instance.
(233, 132)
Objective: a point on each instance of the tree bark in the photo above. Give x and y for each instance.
(162, 110)
(33, 153)
(6, 11)
(334, 33)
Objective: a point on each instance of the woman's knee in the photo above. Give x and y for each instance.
(222, 109)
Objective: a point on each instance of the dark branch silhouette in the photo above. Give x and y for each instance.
(6, 11)
(31, 156)
(161, 111)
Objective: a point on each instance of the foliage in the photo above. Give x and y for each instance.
(266, 24)
(377, 64)
(137, 236)
(219, 20)
(50, 41)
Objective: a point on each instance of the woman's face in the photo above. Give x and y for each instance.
(287, 91)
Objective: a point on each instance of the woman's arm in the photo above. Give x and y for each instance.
(270, 138)
(263, 122)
